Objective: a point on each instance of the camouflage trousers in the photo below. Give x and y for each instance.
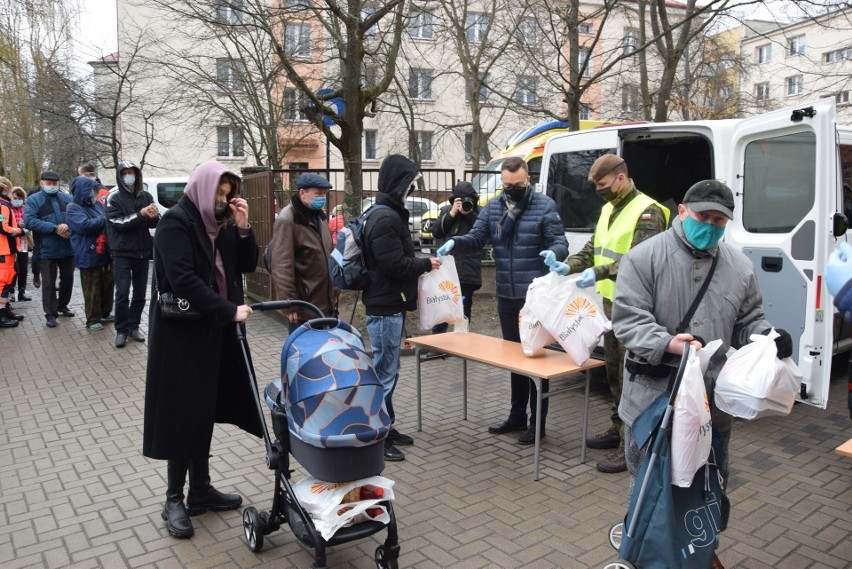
(614, 357)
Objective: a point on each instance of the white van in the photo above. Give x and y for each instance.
(787, 170)
(166, 191)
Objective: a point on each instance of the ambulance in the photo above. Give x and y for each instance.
(791, 174)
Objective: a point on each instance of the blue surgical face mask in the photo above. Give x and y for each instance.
(318, 203)
(703, 236)
(50, 190)
(17, 203)
(129, 180)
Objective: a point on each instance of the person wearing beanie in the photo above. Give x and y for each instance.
(19, 197)
(628, 217)
(658, 281)
(45, 215)
(300, 247)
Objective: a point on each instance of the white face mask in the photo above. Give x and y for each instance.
(128, 179)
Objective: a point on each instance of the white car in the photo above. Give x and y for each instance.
(417, 207)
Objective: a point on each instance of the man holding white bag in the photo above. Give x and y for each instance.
(658, 283)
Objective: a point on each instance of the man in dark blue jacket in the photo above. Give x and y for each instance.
(393, 280)
(44, 214)
(520, 224)
(130, 213)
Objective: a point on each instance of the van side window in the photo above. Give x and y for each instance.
(169, 193)
(846, 171)
(778, 188)
(568, 184)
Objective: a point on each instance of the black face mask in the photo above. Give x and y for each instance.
(515, 193)
(222, 211)
(93, 197)
(606, 194)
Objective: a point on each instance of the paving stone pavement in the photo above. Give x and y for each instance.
(75, 490)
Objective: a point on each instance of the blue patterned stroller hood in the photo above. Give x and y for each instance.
(331, 395)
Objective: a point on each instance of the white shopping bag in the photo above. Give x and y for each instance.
(754, 383)
(569, 313)
(331, 509)
(533, 335)
(439, 295)
(691, 424)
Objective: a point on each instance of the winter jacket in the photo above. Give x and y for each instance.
(43, 212)
(657, 282)
(127, 230)
(300, 247)
(9, 230)
(468, 264)
(538, 228)
(196, 374)
(394, 269)
(88, 225)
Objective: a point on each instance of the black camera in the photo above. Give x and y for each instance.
(467, 204)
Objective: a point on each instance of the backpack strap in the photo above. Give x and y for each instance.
(684, 323)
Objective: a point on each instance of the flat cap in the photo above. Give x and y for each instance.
(312, 181)
(710, 195)
(50, 176)
(603, 166)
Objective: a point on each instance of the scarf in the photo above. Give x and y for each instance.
(506, 225)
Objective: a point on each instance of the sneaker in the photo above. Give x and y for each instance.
(393, 454)
(613, 463)
(51, 321)
(95, 326)
(607, 439)
(395, 437)
(528, 437)
(108, 318)
(120, 340)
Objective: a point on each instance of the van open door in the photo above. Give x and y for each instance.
(784, 178)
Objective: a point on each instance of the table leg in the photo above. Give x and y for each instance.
(585, 418)
(464, 387)
(537, 383)
(419, 401)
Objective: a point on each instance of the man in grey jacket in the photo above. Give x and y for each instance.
(657, 283)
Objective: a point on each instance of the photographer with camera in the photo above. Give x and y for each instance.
(455, 220)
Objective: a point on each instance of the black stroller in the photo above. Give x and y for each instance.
(666, 526)
(327, 411)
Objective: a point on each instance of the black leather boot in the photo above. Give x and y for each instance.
(6, 321)
(11, 314)
(174, 512)
(202, 496)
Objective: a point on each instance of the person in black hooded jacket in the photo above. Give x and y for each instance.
(393, 280)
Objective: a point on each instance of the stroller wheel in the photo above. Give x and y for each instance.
(382, 562)
(619, 565)
(253, 528)
(615, 535)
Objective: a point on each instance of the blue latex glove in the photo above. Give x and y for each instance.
(445, 248)
(587, 279)
(549, 257)
(560, 269)
(839, 268)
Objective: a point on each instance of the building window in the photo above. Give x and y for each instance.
(629, 41)
(585, 112)
(795, 85)
(842, 97)
(371, 146)
(482, 91)
(475, 26)
(294, 105)
(764, 53)
(525, 90)
(797, 45)
(585, 28)
(838, 55)
(527, 32)
(468, 150)
(762, 91)
(725, 92)
(230, 12)
(229, 141)
(630, 99)
(584, 63)
(230, 74)
(422, 26)
(297, 40)
(420, 84)
(423, 140)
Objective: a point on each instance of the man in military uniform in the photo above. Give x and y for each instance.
(628, 218)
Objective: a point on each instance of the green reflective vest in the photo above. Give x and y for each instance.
(612, 242)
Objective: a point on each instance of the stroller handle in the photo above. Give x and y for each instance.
(284, 304)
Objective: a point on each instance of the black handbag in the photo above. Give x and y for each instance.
(172, 307)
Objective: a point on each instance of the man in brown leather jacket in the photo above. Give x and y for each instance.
(299, 250)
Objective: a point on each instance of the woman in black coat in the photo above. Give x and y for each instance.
(196, 373)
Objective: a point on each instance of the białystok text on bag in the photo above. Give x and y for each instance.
(754, 383)
(439, 297)
(691, 424)
(534, 337)
(570, 314)
(346, 264)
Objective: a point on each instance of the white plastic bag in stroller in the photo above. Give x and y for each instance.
(569, 313)
(331, 506)
(691, 424)
(754, 383)
(439, 295)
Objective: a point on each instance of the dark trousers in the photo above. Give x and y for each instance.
(467, 291)
(21, 264)
(614, 356)
(98, 289)
(523, 388)
(53, 298)
(129, 272)
(36, 260)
